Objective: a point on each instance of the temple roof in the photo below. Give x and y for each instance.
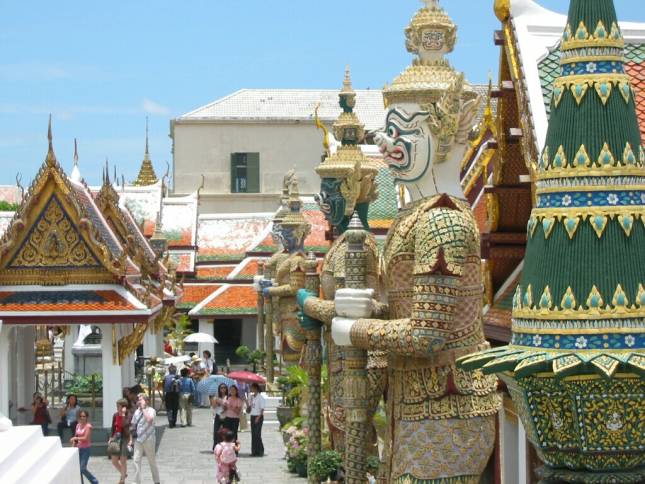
(228, 300)
(247, 105)
(227, 237)
(196, 293)
(68, 303)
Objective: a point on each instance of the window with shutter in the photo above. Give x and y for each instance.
(245, 172)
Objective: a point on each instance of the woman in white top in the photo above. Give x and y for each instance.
(218, 406)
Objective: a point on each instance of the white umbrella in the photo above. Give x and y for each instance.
(200, 338)
(176, 359)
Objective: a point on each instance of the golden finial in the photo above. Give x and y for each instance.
(347, 82)
(146, 153)
(75, 152)
(51, 157)
(324, 129)
(488, 112)
(147, 174)
(502, 9)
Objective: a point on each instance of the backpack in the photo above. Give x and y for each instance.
(228, 453)
(175, 386)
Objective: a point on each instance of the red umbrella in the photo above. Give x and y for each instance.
(247, 377)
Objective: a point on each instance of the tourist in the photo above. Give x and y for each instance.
(40, 413)
(233, 410)
(256, 411)
(167, 348)
(186, 395)
(68, 415)
(217, 408)
(197, 372)
(142, 432)
(117, 443)
(209, 363)
(226, 458)
(171, 387)
(83, 441)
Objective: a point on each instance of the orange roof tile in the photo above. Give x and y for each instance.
(214, 272)
(196, 293)
(78, 300)
(232, 300)
(249, 270)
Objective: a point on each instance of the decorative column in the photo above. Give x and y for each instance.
(260, 303)
(112, 378)
(269, 338)
(313, 358)
(355, 366)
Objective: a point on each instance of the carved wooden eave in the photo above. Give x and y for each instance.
(132, 239)
(53, 238)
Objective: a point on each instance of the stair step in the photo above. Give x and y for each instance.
(17, 441)
(31, 460)
(60, 468)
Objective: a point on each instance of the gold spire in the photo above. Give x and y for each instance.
(75, 153)
(502, 9)
(51, 157)
(147, 175)
(488, 112)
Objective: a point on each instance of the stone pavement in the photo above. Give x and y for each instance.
(184, 456)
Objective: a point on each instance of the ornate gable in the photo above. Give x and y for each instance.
(53, 241)
(54, 237)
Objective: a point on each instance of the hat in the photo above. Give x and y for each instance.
(195, 359)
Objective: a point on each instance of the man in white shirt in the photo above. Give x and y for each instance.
(256, 411)
(142, 431)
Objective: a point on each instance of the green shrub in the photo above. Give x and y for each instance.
(8, 206)
(325, 464)
(83, 384)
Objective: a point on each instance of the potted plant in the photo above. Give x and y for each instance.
(325, 465)
(293, 386)
(297, 451)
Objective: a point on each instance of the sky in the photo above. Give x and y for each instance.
(101, 67)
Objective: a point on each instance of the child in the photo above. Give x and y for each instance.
(226, 458)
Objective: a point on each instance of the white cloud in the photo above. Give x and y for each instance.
(154, 108)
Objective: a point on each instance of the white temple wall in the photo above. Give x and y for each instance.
(25, 365)
(206, 326)
(112, 377)
(68, 356)
(153, 343)
(6, 375)
(205, 148)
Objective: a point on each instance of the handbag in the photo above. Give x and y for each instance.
(244, 421)
(114, 445)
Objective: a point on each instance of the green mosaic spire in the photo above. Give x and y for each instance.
(575, 367)
(584, 266)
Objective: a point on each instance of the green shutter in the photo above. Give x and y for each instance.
(253, 172)
(233, 160)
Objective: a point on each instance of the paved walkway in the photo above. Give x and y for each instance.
(184, 456)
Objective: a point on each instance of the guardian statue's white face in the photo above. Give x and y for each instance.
(406, 143)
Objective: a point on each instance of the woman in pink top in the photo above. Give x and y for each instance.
(233, 411)
(83, 440)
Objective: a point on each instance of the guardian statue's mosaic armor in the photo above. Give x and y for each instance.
(289, 277)
(441, 420)
(347, 186)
